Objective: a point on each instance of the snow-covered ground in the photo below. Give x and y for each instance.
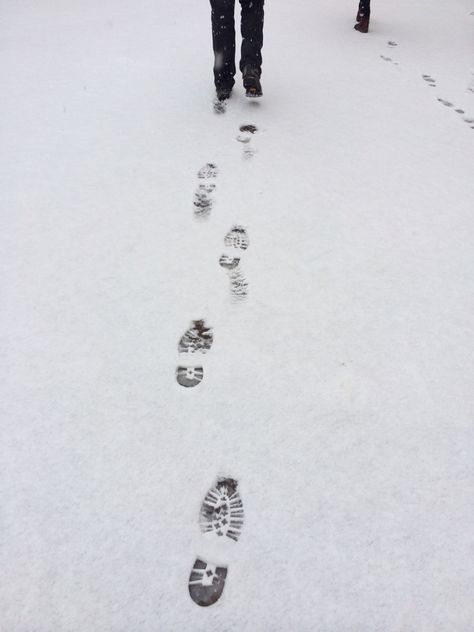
(339, 392)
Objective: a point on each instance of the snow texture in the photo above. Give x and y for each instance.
(339, 393)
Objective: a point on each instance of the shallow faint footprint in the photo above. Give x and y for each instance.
(236, 239)
(245, 136)
(219, 107)
(460, 111)
(429, 80)
(389, 59)
(203, 196)
(448, 104)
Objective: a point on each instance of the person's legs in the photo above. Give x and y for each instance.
(252, 34)
(223, 42)
(363, 16)
(364, 10)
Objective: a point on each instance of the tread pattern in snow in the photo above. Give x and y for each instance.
(189, 376)
(237, 238)
(203, 196)
(222, 511)
(208, 171)
(228, 262)
(198, 338)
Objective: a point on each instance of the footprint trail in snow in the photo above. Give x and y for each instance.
(222, 515)
(431, 82)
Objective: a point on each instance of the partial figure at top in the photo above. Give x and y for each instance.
(363, 16)
(223, 41)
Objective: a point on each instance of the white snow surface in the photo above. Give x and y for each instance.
(339, 393)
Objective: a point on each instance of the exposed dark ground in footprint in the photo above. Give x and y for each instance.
(248, 128)
(221, 514)
(392, 44)
(189, 376)
(206, 582)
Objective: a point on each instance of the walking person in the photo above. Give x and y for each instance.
(223, 41)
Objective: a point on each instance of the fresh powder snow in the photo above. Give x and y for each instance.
(264, 313)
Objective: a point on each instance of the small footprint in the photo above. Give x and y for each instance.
(448, 104)
(221, 514)
(392, 44)
(197, 339)
(389, 59)
(203, 198)
(429, 80)
(460, 111)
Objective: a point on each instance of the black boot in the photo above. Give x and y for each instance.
(251, 78)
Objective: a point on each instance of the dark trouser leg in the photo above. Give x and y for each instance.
(252, 33)
(363, 16)
(223, 42)
(364, 10)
